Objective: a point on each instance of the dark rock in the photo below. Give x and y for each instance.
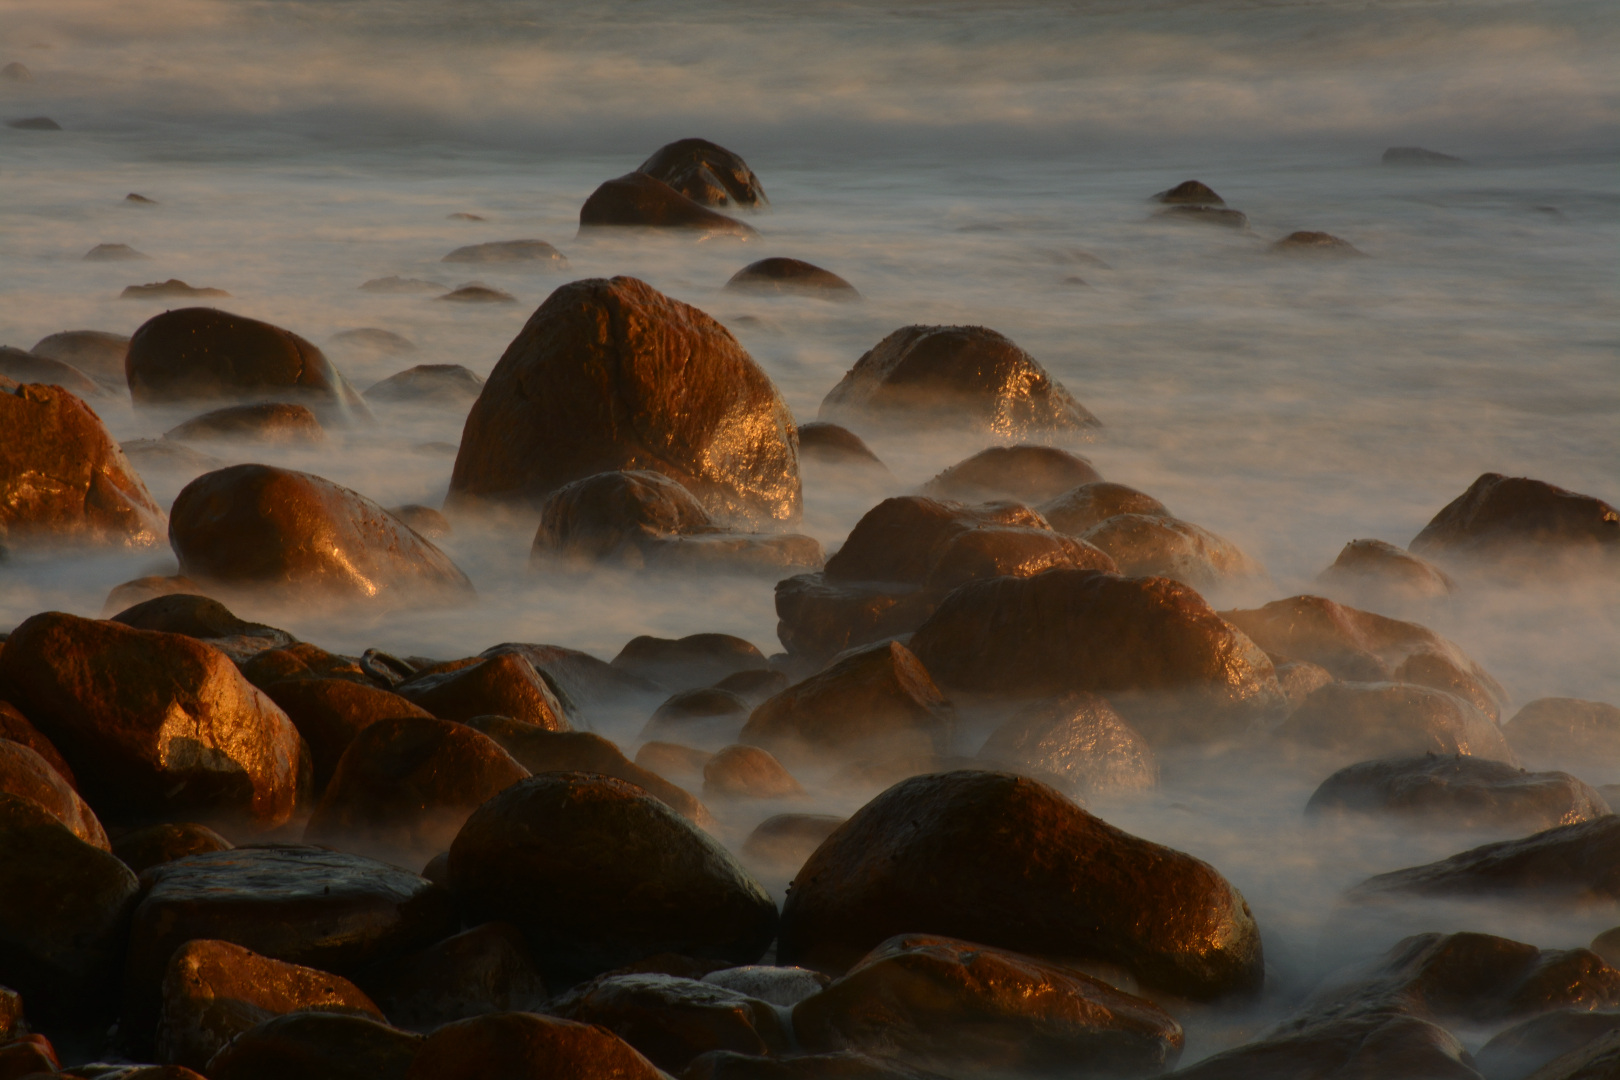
(206, 620)
(690, 662)
(301, 661)
(1314, 243)
(394, 284)
(597, 873)
(1597, 1060)
(1078, 738)
(673, 762)
(791, 276)
(971, 1010)
(140, 200)
(579, 677)
(1565, 864)
(113, 253)
(834, 445)
(173, 289)
(263, 422)
(447, 383)
(1190, 193)
(26, 775)
(163, 454)
(845, 1065)
(476, 292)
(1416, 155)
(1029, 474)
(783, 986)
(1568, 731)
(1356, 721)
(705, 173)
(785, 841)
(463, 216)
(708, 715)
(1206, 215)
(1384, 573)
(754, 686)
(29, 1058)
(1458, 791)
(15, 727)
(26, 367)
(524, 1046)
(487, 969)
(97, 353)
(505, 684)
(329, 713)
(1030, 872)
(509, 251)
(35, 123)
(16, 72)
(1152, 545)
(11, 1013)
(317, 1046)
(1522, 1049)
(1085, 505)
(747, 772)
(385, 342)
(1502, 517)
(424, 521)
(165, 842)
(958, 377)
(259, 526)
(640, 200)
(821, 618)
(131, 593)
(1388, 1045)
(63, 478)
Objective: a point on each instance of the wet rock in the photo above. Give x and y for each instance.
(15, 727)
(845, 1065)
(1458, 791)
(509, 251)
(1568, 731)
(301, 661)
(958, 377)
(1522, 1049)
(791, 276)
(756, 685)
(113, 253)
(1030, 872)
(16, 72)
(1567, 863)
(370, 338)
(165, 842)
(877, 699)
(831, 444)
(424, 521)
(597, 874)
(25, 367)
(446, 383)
(1314, 243)
(1144, 545)
(140, 200)
(1389, 1045)
(97, 353)
(968, 1010)
(487, 969)
(1086, 505)
(708, 716)
(1206, 215)
(1299, 679)
(1416, 155)
(214, 991)
(1516, 518)
(155, 725)
(579, 677)
(1384, 573)
(26, 775)
(505, 684)
(672, 1020)
(28, 1057)
(781, 986)
(696, 660)
(524, 1046)
(1190, 193)
(395, 284)
(1357, 721)
(673, 761)
(259, 526)
(207, 620)
(34, 123)
(63, 478)
(329, 713)
(476, 292)
(1029, 474)
(265, 422)
(747, 772)
(640, 200)
(317, 1046)
(603, 358)
(1166, 662)
(706, 173)
(172, 289)
(1078, 738)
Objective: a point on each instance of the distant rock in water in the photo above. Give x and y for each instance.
(94, 352)
(706, 173)
(509, 251)
(462, 215)
(1030, 474)
(26, 367)
(140, 200)
(475, 292)
(113, 253)
(1574, 864)
(380, 341)
(1190, 193)
(1206, 215)
(1416, 155)
(791, 276)
(835, 445)
(1314, 243)
(1569, 732)
(16, 72)
(1453, 790)
(394, 284)
(1519, 519)
(167, 454)
(446, 383)
(265, 422)
(425, 520)
(35, 123)
(163, 290)
(640, 200)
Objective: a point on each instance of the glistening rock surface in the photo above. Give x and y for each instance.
(706, 173)
(1577, 863)
(1460, 791)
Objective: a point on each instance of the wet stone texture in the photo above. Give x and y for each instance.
(1077, 738)
(1577, 864)
(317, 1046)
(1454, 790)
(638, 200)
(1078, 509)
(1516, 518)
(504, 684)
(330, 713)
(1355, 721)
(1144, 545)
(778, 276)
(26, 775)
(524, 1046)
(706, 173)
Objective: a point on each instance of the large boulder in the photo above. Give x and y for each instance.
(316, 1046)
(1029, 474)
(1157, 545)
(1514, 517)
(599, 874)
(747, 772)
(253, 526)
(1566, 731)
(15, 726)
(1078, 739)
(959, 377)
(329, 713)
(1151, 646)
(63, 478)
(1457, 790)
(613, 375)
(636, 199)
(1577, 864)
(260, 422)
(705, 173)
(27, 775)
(1009, 862)
(155, 725)
(524, 1046)
(1354, 721)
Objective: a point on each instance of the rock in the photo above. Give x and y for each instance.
(1150, 545)
(831, 444)
(602, 359)
(385, 342)
(1190, 193)
(502, 685)
(1385, 574)
(214, 991)
(597, 874)
(509, 251)
(1501, 517)
(35, 123)
(671, 1020)
(524, 1046)
(329, 713)
(16, 72)
(487, 969)
(302, 661)
(1029, 474)
(957, 377)
(877, 699)
(164, 455)
(1355, 721)
(27, 775)
(11, 1013)
(1078, 738)
(1171, 667)
(696, 660)
(476, 292)
(781, 986)
(424, 521)
(113, 253)
(1031, 872)
(64, 911)
(756, 685)
(1570, 731)
(173, 288)
(1416, 155)
(63, 478)
(1562, 865)
(1597, 1059)
(97, 353)
(1383, 1044)
(155, 724)
(787, 840)
(140, 200)
(1458, 791)
(971, 1010)
(1314, 243)
(640, 200)
(200, 353)
(317, 1046)
(15, 727)
(1206, 215)
(580, 677)
(206, 620)
(25, 367)
(1085, 505)
(131, 593)
(1299, 679)
(1522, 1049)
(395, 284)
(846, 1065)
(265, 422)
(259, 526)
(791, 276)
(708, 716)
(28, 1057)
(705, 173)
(403, 788)
(671, 761)
(440, 383)
(747, 772)
(463, 216)
(143, 848)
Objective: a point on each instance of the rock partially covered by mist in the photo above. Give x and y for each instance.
(263, 422)
(503, 684)
(706, 173)
(636, 199)
(1190, 193)
(25, 367)
(1029, 474)
(1530, 523)
(831, 444)
(25, 774)
(14, 726)
(1379, 573)
(1221, 216)
(316, 1044)
(429, 383)
(784, 841)
(487, 969)
(62, 478)
(196, 354)
(301, 661)
(1417, 155)
(1314, 243)
(108, 696)
(696, 660)
(1157, 545)
(784, 986)
(1577, 863)
(205, 619)
(791, 276)
(260, 527)
(1077, 738)
(526, 1045)
(1456, 790)
(1387, 1044)
(599, 874)
(1567, 731)
(748, 772)
(509, 251)
(613, 375)
(1354, 721)
(1009, 862)
(706, 716)
(1086, 505)
(966, 1009)
(957, 377)
(97, 353)
(1522, 1049)
(1151, 646)
(166, 842)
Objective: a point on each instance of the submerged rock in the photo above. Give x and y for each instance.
(476, 292)
(509, 251)
(395, 284)
(785, 276)
(747, 772)
(690, 662)
(1078, 739)
(706, 173)
(834, 445)
(1389, 1045)
(785, 841)
(34, 123)
(113, 253)
(265, 422)
(173, 288)
(424, 521)
(1516, 518)
(1314, 243)
(707, 716)
(1455, 790)
(1190, 193)
(640, 200)
(26, 367)
(1577, 863)
(1029, 474)
(375, 340)
(1519, 1051)
(446, 383)
(1566, 730)
(97, 353)
(1386, 574)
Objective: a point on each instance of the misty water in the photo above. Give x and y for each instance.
(968, 163)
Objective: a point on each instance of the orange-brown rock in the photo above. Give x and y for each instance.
(598, 874)
(165, 842)
(613, 375)
(214, 991)
(257, 526)
(671, 1020)
(261, 422)
(637, 199)
(205, 619)
(690, 662)
(672, 761)
(1085, 505)
(1455, 790)
(756, 685)
(1308, 242)
(524, 1046)
(155, 725)
(969, 1010)
(323, 1045)
(1077, 738)
(15, 726)
(706, 173)
(97, 353)
(747, 772)
(301, 661)
(329, 713)
(1385, 574)
(1009, 551)
(877, 699)
(29, 1057)
(63, 478)
(960, 377)
(1356, 721)
(1577, 863)
(784, 841)
(1566, 731)
(504, 684)
(27, 775)
(1011, 863)
(1155, 545)
(1518, 518)
(1028, 473)
(487, 969)
(791, 276)
(834, 445)
(509, 251)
